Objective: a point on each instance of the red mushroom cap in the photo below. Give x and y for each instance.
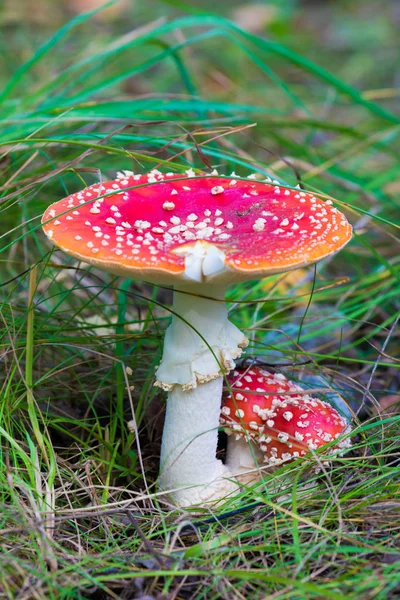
(148, 226)
(276, 413)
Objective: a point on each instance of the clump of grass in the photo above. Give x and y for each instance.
(81, 514)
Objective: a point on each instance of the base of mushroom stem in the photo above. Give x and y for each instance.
(212, 494)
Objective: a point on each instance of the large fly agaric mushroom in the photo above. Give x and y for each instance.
(198, 234)
(271, 420)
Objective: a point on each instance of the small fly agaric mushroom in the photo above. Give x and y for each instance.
(198, 234)
(271, 420)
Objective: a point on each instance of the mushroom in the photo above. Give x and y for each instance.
(271, 420)
(198, 234)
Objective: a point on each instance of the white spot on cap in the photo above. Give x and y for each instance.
(259, 225)
(142, 224)
(168, 206)
(218, 189)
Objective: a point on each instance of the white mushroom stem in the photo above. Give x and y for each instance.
(244, 459)
(199, 346)
(189, 469)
